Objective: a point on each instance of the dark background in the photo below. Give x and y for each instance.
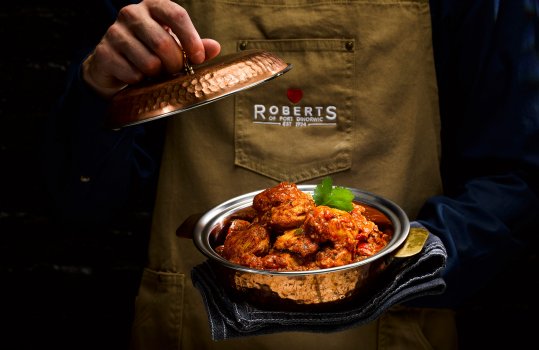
(60, 287)
(74, 287)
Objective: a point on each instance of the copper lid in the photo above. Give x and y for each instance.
(200, 85)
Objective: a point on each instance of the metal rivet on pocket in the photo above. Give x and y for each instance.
(349, 45)
(243, 45)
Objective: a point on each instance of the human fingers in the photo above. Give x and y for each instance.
(107, 72)
(212, 48)
(150, 47)
(127, 53)
(178, 20)
(118, 60)
(141, 43)
(166, 30)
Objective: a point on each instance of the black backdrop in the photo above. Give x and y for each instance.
(60, 287)
(73, 288)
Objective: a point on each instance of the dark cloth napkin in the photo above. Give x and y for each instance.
(407, 279)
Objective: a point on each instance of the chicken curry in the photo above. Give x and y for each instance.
(284, 230)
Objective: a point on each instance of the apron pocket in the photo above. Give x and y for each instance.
(299, 126)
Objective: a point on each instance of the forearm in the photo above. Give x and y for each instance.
(484, 229)
(88, 166)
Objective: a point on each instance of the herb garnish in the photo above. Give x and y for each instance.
(335, 197)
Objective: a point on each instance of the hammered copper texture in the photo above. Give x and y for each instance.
(305, 289)
(211, 81)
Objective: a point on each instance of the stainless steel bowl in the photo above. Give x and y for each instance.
(297, 289)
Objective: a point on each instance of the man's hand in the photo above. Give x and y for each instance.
(143, 42)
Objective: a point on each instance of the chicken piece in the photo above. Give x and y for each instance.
(278, 261)
(331, 257)
(282, 261)
(325, 224)
(370, 238)
(247, 214)
(238, 225)
(371, 243)
(296, 241)
(283, 206)
(245, 239)
(249, 260)
(377, 217)
(358, 214)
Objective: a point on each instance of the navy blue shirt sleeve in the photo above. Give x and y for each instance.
(88, 166)
(92, 171)
(488, 73)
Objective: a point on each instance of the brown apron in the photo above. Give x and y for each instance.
(360, 105)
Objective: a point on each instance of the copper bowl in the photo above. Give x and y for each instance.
(293, 290)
